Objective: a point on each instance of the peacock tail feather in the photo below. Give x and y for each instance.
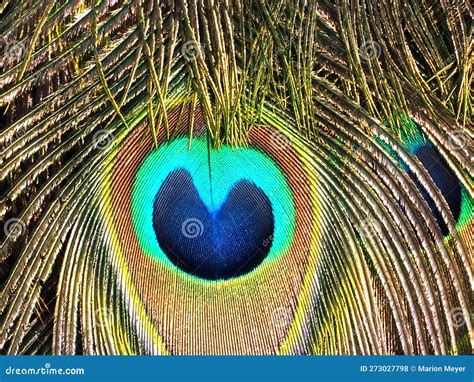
(236, 177)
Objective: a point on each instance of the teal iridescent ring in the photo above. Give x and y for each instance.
(235, 197)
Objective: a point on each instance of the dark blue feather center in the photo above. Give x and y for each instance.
(444, 178)
(216, 244)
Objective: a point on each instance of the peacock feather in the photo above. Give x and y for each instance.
(236, 177)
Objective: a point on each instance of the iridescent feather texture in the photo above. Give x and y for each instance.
(236, 177)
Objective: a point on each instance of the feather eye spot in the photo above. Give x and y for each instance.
(217, 242)
(211, 214)
(445, 180)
